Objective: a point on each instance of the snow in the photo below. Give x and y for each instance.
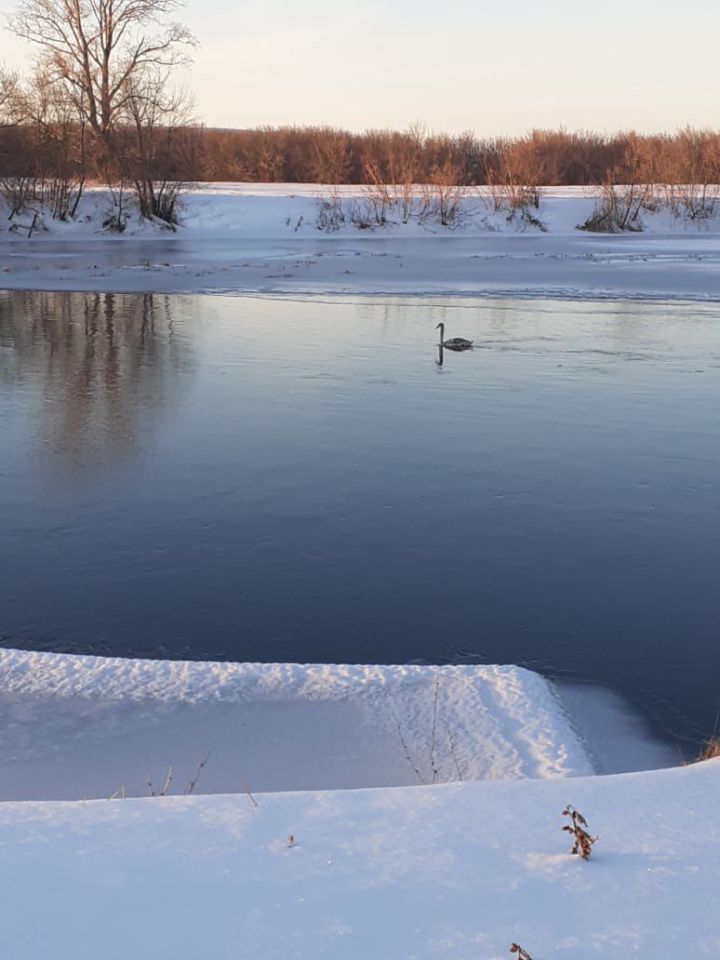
(250, 238)
(77, 726)
(449, 871)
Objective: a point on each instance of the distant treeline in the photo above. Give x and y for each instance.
(333, 156)
(542, 157)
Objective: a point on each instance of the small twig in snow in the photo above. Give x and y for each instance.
(522, 954)
(453, 754)
(166, 785)
(408, 757)
(201, 766)
(251, 798)
(434, 769)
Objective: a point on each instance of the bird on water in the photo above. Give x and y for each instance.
(454, 343)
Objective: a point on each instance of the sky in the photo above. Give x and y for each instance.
(493, 68)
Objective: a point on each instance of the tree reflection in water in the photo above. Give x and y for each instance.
(107, 365)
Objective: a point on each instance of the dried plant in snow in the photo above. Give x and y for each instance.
(619, 207)
(378, 199)
(710, 750)
(693, 201)
(711, 747)
(582, 841)
(153, 791)
(453, 751)
(163, 792)
(522, 954)
(513, 184)
(330, 215)
(518, 202)
(193, 782)
(443, 195)
(253, 802)
(432, 769)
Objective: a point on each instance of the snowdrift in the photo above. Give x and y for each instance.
(457, 871)
(87, 727)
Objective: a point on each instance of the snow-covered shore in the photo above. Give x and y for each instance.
(250, 238)
(456, 871)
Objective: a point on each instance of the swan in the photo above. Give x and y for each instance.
(454, 343)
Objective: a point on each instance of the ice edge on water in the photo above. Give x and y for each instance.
(81, 726)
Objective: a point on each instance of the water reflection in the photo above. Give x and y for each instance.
(106, 366)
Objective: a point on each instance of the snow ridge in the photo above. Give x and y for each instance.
(80, 726)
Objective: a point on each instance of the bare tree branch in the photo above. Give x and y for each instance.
(97, 48)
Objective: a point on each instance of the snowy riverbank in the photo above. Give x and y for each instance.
(452, 871)
(263, 238)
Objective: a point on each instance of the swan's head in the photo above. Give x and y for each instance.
(440, 326)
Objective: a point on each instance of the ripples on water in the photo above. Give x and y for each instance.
(290, 480)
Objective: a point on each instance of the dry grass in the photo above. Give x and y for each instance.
(710, 750)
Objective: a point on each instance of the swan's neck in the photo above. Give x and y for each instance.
(442, 331)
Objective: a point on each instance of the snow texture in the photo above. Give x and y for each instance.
(76, 726)
(450, 871)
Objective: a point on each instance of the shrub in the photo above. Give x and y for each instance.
(518, 201)
(443, 195)
(693, 201)
(330, 216)
(619, 207)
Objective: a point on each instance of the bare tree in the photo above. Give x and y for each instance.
(8, 86)
(159, 119)
(8, 122)
(53, 168)
(98, 49)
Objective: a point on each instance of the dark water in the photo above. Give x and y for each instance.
(250, 479)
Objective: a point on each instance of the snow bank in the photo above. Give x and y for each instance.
(263, 238)
(85, 726)
(279, 211)
(455, 871)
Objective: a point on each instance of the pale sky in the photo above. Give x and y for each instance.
(456, 65)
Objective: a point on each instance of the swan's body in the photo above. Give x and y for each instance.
(454, 343)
